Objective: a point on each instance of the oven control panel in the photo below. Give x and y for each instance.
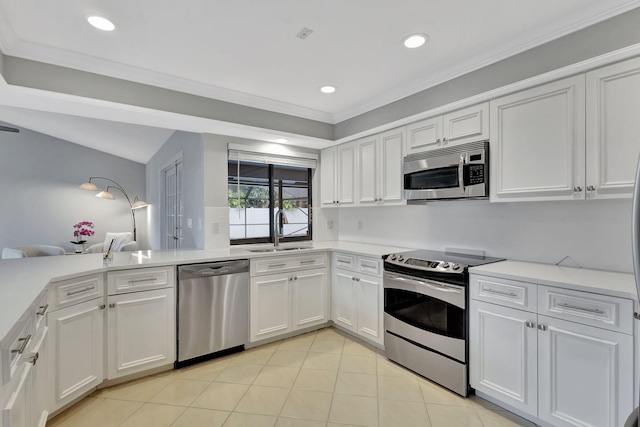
(423, 264)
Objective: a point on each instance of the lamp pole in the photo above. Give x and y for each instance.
(119, 187)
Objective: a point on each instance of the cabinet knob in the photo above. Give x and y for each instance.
(112, 304)
(542, 327)
(591, 188)
(438, 140)
(102, 307)
(577, 189)
(34, 358)
(530, 324)
(444, 140)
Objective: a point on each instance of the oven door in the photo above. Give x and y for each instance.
(429, 313)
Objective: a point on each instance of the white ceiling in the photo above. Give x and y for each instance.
(246, 51)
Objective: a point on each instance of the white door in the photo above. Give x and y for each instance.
(537, 143)
(309, 298)
(613, 106)
(270, 306)
(585, 374)
(503, 354)
(172, 206)
(328, 178)
(343, 300)
(391, 149)
(424, 135)
(368, 171)
(369, 307)
(141, 331)
(16, 411)
(466, 125)
(76, 351)
(346, 174)
(39, 384)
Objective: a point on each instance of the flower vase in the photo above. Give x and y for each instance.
(79, 246)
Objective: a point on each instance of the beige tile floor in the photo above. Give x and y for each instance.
(322, 378)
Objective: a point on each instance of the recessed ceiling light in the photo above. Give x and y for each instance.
(281, 140)
(101, 23)
(415, 40)
(328, 89)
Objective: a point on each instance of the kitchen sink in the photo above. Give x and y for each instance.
(280, 249)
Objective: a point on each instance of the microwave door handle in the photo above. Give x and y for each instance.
(461, 173)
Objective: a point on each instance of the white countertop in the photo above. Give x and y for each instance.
(582, 279)
(22, 280)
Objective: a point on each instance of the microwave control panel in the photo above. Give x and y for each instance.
(475, 174)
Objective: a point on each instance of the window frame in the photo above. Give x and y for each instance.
(273, 209)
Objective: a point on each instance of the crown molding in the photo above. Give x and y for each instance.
(513, 48)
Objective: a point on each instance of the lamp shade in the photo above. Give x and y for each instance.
(139, 204)
(88, 186)
(106, 195)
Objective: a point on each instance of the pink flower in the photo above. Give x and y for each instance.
(83, 228)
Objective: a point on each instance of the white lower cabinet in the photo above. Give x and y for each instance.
(76, 362)
(141, 331)
(283, 302)
(560, 372)
(356, 296)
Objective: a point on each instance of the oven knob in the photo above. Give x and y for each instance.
(456, 266)
(400, 258)
(444, 265)
(393, 257)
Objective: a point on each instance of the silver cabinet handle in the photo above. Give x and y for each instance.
(276, 265)
(493, 291)
(102, 307)
(636, 316)
(542, 327)
(112, 304)
(355, 279)
(444, 140)
(309, 261)
(34, 358)
(575, 307)
(438, 141)
(530, 324)
(577, 189)
(24, 341)
(148, 279)
(43, 310)
(79, 291)
(591, 188)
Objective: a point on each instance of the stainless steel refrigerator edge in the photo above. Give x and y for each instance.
(632, 421)
(213, 310)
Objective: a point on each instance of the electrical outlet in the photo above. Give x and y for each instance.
(189, 223)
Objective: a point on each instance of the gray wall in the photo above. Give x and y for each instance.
(191, 147)
(39, 178)
(612, 34)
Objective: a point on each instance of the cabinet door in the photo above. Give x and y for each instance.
(368, 171)
(391, 146)
(40, 384)
(328, 176)
(537, 143)
(585, 374)
(424, 135)
(309, 298)
(16, 411)
(613, 102)
(270, 306)
(346, 174)
(141, 331)
(369, 307)
(466, 125)
(343, 300)
(76, 350)
(503, 354)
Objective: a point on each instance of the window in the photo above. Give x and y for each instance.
(257, 191)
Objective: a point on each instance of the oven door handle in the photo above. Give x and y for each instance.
(433, 285)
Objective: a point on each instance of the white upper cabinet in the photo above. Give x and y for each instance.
(458, 127)
(537, 143)
(613, 126)
(337, 175)
(379, 168)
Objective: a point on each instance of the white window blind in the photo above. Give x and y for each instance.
(274, 159)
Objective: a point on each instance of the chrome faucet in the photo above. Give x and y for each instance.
(281, 219)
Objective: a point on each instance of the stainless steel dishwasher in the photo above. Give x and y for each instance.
(213, 310)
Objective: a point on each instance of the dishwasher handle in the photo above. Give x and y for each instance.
(213, 269)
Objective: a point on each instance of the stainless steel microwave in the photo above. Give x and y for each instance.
(458, 172)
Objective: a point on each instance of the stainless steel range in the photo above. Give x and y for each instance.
(425, 314)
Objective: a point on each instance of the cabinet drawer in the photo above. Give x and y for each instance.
(344, 261)
(16, 346)
(370, 266)
(73, 291)
(283, 264)
(603, 311)
(140, 279)
(508, 293)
